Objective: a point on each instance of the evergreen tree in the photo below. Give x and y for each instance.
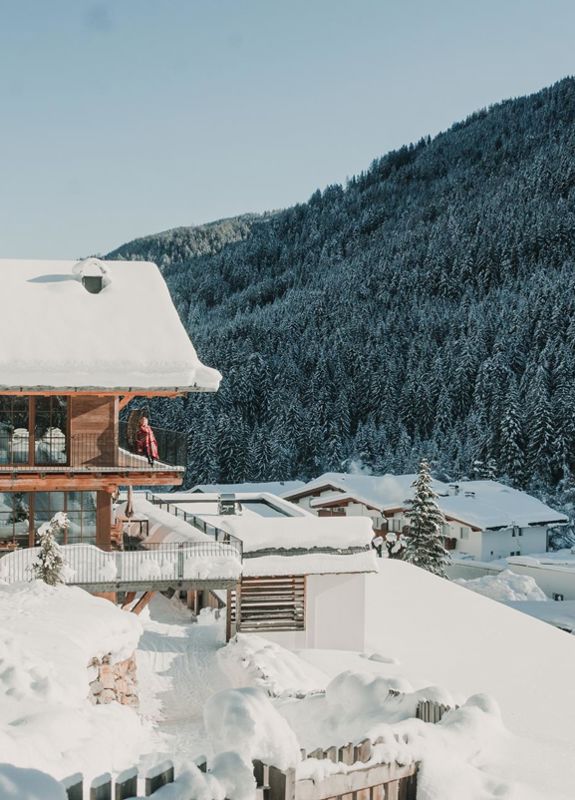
(49, 563)
(423, 546)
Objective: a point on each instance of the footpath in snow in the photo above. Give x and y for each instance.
(178, 671)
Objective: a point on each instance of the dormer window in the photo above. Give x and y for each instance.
(93, 283)
(93, 273)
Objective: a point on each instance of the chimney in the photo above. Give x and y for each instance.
(227, 504)
(453, 489)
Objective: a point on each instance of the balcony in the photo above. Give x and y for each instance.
(53, 452)
(182, 565)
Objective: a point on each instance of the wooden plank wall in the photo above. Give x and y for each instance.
(274, 603)
(93, 430)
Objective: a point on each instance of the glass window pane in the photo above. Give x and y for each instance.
(14, 423)
(14, 517)
(50, 430)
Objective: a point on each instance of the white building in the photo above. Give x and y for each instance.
(303, 578)
(485, 520)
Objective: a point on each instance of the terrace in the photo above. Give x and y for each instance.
(55, 452)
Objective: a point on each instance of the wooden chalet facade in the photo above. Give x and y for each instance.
(63, 446)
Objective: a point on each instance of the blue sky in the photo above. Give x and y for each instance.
(124, 118)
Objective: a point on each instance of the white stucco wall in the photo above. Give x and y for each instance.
(489, 545)
(335, 615)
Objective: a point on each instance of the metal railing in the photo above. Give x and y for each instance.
(84, 452)
(218, 534)
(164, 563)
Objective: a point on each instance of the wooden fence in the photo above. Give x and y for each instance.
(364, 778)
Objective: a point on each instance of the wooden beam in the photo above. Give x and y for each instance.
(58, 482)
(142, 602)
(123, 402)
(129, 599)
(96, 392)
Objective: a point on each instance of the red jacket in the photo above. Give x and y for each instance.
(146, 443)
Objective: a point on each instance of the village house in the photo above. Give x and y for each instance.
(303, 578)
(97, 335)
(484, 520)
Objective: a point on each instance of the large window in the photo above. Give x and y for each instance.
(14, 517)
(22, 514)
(80, 508)
(33, 430)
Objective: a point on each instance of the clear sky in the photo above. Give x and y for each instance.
(127, 117)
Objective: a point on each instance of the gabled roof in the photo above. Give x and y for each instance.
(483, 505)
(378, 491)
(56, 335)
(492, 505)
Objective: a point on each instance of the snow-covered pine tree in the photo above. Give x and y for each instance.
(423, 546)
(49, 563)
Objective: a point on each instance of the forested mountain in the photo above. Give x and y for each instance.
(426, 308)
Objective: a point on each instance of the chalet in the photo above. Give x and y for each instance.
(303, 578)
(485, 520)
(78, 342)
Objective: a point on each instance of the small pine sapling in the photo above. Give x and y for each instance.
(49, 564)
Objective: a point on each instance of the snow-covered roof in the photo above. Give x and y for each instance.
(560, 614)
(272, 529)
(272, 487)
(55, 334)
(443, 634)
(492, 505)
(480, 504)
(379, 491)
(289, 533)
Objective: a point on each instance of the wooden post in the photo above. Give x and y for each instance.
(282, 784)
(331, 754)
(363, 751)
(126, 784)
(346, 754)
(74, 786)
(261, 774)
(200, 762)
(392, 790)
(158, 776)
(101, 787)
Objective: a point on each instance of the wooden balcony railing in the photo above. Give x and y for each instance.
(85, 452)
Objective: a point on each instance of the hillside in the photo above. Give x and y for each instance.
(424, 308)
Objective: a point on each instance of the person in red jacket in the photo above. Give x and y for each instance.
(146, 443)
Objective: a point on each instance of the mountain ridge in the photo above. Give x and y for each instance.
(423, 309)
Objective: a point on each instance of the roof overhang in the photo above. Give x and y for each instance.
(137, 391)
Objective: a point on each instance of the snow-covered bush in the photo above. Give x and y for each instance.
(49, 563)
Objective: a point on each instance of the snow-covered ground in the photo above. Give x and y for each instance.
(428, 638)
(48, 636)
(444, 634)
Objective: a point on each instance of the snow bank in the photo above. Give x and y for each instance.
(505, 586)
(356, 706)
(252, 660)
(28, 784)
(126, 352)
(48, 635)
(245, 721)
